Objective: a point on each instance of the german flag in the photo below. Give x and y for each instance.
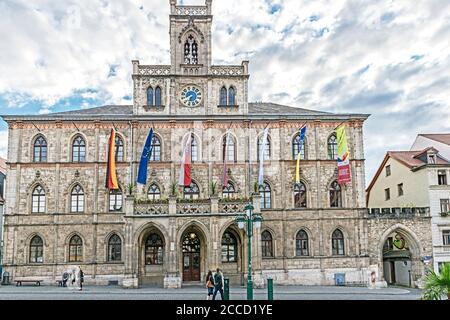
(111, 178)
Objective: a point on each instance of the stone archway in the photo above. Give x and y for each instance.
(231, 255)
(193, 254)
(399, 256)
(152, 257)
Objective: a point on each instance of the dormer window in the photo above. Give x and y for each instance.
(190, 51)
(431, 159)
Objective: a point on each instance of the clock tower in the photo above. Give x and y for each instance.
(191, 84)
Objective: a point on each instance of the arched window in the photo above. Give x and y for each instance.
(78, 149)
(265, 192)
(231, 97)
(190, 51)
(77, 199)
(156, 149)
(114, 248)
(230, 151)
(154, 250)
(223, 96)
(36, 250)
(337, 244)
(158, 97)
(75, 249)
(119, 149)
(229, 247)
(267, 244)
(38, 200)
(300, 195)
(154, 193)
(332, 147)
(40, 150)
(335, 195)
(267, 152)
(194, 149)
(229, 191)
(150, 96)
(191, 192)
(298, 147)
(115, 200)
(301, 244)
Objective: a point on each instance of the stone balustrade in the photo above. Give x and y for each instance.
(398, 212)
(227, 70)
(191, 10)
(154, 70)
(151, 208)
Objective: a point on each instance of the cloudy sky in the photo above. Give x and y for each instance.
(389, 58)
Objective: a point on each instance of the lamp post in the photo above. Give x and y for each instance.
(247, 220)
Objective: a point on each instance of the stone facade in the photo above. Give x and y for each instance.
(172, 218)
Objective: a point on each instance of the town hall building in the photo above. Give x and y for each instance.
(59, 213)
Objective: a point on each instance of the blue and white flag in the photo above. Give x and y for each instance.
(146, 153)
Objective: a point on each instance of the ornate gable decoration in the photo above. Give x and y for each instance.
(191, 27)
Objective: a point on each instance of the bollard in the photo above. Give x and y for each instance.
(226, 290)
(270, 289)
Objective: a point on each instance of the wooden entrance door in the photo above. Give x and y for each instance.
(191, 257)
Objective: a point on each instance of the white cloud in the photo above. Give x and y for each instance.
(3, 143)
(340, 56)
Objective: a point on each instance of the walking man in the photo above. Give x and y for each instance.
(218, 284)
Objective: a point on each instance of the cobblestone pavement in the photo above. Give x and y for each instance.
(29, 292)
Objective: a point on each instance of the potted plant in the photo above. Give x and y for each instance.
(436, 285)
(213, 189)
(131, 187)
(444, 214)
(256, 188)
(173, 190)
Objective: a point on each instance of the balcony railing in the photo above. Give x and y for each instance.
(154, 70)
(151, 208)
(234, 207)
(398, 212)
(200, 207)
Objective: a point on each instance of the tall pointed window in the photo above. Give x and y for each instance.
(298, 147)
(78, 149)
(229, 191)
(75, 249)
(266, 196)
(154, 193)
(115, 248)
(36, 250)
(267, 152)
(229, 247)
(156, 149)
(194, 149)
(230, 152)
(40, 150)
(150, 96)
(337, 244)
(115, 200)
(192, 191)
(158, 97)
(332, 147)
(154, 250)
(231, 97)
(119, 149)
(223, 96)
(301, 244)
(77, 199)
(190, 51)
(300, 195)
(335, 195)
(38, 200)
(267, 244)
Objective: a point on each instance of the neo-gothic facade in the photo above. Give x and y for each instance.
(59, 212)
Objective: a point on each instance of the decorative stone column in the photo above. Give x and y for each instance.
(172, 278)
(258, 278)
(130, 280)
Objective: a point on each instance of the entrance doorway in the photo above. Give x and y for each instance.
(191, 257)
(397, 260)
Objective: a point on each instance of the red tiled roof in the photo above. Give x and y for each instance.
(410, 158)
(440, 137)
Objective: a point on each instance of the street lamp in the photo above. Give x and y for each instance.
(248, 219)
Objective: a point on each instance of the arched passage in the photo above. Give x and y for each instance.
(400, 252)
(193, 245)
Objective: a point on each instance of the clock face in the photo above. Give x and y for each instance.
(191, 96)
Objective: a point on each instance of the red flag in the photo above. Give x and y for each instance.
(185, 169)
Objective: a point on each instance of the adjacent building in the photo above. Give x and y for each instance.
(2, 202)
(59, 212)
(417, 178)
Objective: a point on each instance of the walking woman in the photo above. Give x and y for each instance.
(210, 285)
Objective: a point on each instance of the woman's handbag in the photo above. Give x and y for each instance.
(209, 284)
